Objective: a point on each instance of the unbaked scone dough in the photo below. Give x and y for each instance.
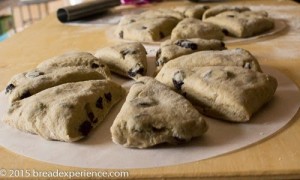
(67, 112)
(82, 59)
(127, 59)
(222, 8)
(146, 30)
(232, 57)
(153, 114)
(195, 28)
(192, 11)
(171, 49)
(242, 24)
(227, 92)
(26, 84)
(158, 13)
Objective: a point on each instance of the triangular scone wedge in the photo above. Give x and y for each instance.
(146, 29)
(81, 59)
(242, 24)
(162, 13)
(26, 84)
(153, 114)
(223, 8)
(127, 59)
(232, 57)
(192, 11)
(226, 92)
(171, 49)
(195, 28)
(66, 112)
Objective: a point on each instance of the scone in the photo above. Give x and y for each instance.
(154, 114)
(171, 49)
(192, 11)
(147, 30)
(127, 59)
(222, 8)
(67, 112)
(26, 84)
(82, 59)
(242, 24)
(195, 28)
(232, 57)
(227, 92)
(159, 13)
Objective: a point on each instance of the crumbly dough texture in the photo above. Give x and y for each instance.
(195, 28)
(223, 8)
(153, 114)
(232, 57)
(67, 112)
(146, 29)
(172, 49)
(74, 59)
(127, 59)
(32, 82)
(231, 93)
(192, 11)
(242, 24)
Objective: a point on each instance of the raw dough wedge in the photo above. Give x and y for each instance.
(66, 112)
(172, 49)
(223, 8)
(242, 24)
(154, 114)
(127, 59)
(32, 82)
(195, 28)
(82, 59)
(159, 13)
(147, 30)
(232, 57)
(192, 11)
(230, 93)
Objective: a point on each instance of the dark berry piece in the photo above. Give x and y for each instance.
(95, 120)
(132, 20)
(161, 35)
(225, 32)
(94, 65)
(26, 94)
(144, 27)
(85, 128)
(223, 44)
(108, 96)
(137, 69)
(178, 79)
(121, 34)
(230, 16)
(99, 103)
(9, 88)
(187, 44)
(91, 116)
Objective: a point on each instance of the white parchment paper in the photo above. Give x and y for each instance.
(98, 151)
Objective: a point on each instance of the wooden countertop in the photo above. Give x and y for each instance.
(277, 156)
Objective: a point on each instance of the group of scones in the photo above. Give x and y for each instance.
(65, 97)
(197, 21)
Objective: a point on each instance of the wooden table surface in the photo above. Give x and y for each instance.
(277, 156)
